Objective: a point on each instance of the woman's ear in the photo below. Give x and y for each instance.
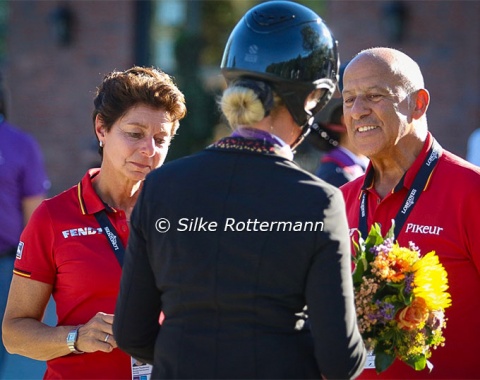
(99, 128)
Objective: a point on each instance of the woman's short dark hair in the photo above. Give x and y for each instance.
(122, 90)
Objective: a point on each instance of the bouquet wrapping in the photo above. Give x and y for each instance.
(400, 300)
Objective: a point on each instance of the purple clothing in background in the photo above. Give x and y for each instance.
(340, 166)
(22, 174)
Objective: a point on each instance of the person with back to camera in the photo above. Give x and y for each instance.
(72, 248)
(231, 243)
(341, 163)
(23, 186)
(432, 195)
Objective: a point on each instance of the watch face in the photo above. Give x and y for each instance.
(71, 339)
(71, 336)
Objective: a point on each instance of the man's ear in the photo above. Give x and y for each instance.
(422, 100)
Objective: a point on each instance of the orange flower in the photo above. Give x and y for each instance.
(412, 316)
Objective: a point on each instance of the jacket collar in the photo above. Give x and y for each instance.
(252, 145)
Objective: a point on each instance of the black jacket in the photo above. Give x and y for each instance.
(253, 239)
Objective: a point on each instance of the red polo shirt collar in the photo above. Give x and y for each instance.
(409, 176)
(88, 199)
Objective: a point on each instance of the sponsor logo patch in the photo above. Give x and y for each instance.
(423, 229)
(19, 250)
(81, 231)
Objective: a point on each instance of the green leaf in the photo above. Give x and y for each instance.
(374, 237)
(361, 263)
(418, 362)
(361, 266)
(357, 249)
(383, 361)
(390, 233)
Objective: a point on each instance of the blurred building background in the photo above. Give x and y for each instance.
(54, 53)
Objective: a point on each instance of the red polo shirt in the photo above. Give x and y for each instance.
(445, 219)
(63, 245)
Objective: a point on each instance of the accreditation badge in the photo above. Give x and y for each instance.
(140, 370)
(370, 362)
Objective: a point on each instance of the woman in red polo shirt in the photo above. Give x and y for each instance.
(72, 248)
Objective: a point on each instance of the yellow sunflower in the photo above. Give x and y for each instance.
(431, 283)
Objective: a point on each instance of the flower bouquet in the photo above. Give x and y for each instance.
(400, 299)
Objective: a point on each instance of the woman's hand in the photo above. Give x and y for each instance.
(96, 334)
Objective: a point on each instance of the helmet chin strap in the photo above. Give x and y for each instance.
(304, 133)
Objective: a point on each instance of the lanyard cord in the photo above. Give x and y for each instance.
(112, 235)
(416, 190)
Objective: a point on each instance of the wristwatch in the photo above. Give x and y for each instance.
(72, 339)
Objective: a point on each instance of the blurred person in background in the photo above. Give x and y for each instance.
(340, 163)
(23, 186)
(473, 148)
(233, 297)
(72, 248)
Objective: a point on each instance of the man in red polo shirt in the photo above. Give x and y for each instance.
(432, 195)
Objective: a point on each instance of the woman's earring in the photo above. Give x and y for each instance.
(101, 144)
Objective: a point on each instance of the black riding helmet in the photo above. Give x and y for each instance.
(288, 46)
